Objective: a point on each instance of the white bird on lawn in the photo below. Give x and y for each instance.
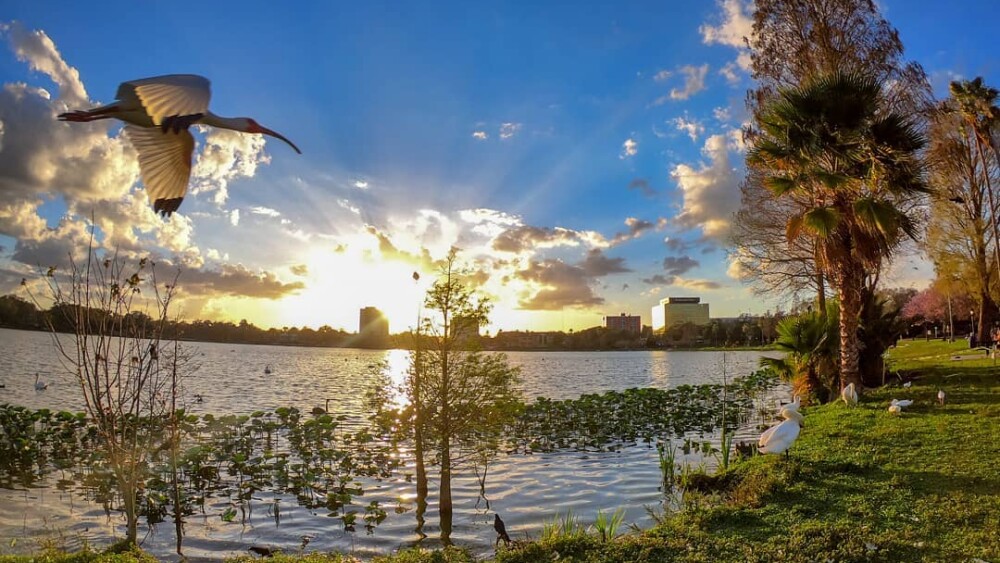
(794, 405)
(850, 395)
(940, 396)
(779, 437)
(158, 112)
(40, 385)
(896, 406)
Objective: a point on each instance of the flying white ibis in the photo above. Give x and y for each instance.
(850, 395)
(158, 112)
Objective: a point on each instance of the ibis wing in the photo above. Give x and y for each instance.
(168, 96)
(165, 163)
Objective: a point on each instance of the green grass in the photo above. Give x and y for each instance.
(861, 485)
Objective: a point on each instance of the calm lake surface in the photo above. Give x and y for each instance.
(526, 490)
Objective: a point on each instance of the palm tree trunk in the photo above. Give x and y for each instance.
(849, 292)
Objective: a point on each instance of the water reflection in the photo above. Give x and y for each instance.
(527, 491)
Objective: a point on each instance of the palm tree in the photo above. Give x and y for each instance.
(809, 341)
(853, 165)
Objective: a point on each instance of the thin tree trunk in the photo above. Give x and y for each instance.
(850, 309)
(444, 502)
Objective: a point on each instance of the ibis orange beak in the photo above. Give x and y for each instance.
(275, 134)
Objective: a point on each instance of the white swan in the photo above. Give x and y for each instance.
(941, 396)
(849, 395)
(896, 406)
(779, 437)
(40, 385)
(794, 405)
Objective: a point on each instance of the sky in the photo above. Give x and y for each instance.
(585, 157)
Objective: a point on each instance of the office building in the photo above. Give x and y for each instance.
(674, 311)
(624, 323)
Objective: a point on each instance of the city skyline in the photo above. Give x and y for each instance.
(575, 190)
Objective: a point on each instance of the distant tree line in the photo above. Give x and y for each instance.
(19, 313)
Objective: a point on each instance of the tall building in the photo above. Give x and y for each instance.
(674, 311)
(373, 327)
(626, 323)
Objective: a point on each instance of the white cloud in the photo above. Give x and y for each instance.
(694, 81)
(260, 210)
(234, 217)
(226, 156)
(345, 204)
(710, 191)
(662, 75)
(360, 184)
(734, 140)
(629, 148)
(38, 50)
(692, 127)
(729, 72)
(508, 130)
(721, 114)
(480, 135)
(736, 24)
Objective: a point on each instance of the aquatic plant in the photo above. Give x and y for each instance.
(607, 525)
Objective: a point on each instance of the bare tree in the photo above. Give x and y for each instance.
(117, 314)
(963, 216)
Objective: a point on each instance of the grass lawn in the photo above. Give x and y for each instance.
(861, 484)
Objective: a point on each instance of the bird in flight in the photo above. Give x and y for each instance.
(158, 112)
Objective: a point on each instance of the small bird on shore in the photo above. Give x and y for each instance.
(262, 551)
(908, 384)
(850, 395)
(501, 530)
(940, 396)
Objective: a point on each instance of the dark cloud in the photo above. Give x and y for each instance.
(526, 237)
(637, 228)
(233, 279)
(596, 264)
(643, 186)
(659, 279)
(677, 266)
(563, 286)
(625, 286)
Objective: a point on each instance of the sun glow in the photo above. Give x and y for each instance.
(342, 280)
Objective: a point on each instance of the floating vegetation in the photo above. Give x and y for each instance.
(229, 458)
(612, 420)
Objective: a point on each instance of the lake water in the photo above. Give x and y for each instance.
(526, 490)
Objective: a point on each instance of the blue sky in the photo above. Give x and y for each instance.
(586, 135)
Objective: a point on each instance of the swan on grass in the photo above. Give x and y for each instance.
(779, 438)
(850, 395)
(896, 406)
